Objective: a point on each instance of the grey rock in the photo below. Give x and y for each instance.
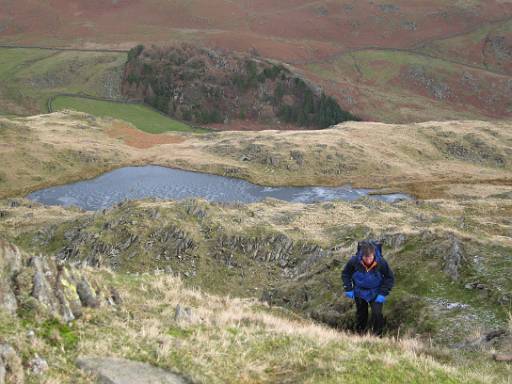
(183, 314)
(389, 8)
(10, 264)
(38, 365)
(453, 259)
(409, 25)
(59, 290)
(11, 369)
(395, 240)
(110, 370)
(498, 47)
(115, 296)
(273, 160)
(298, 156)
(194, 208)
(321, 10)
(475, 286)
(86, 294)
(419, 75)
(42, 290)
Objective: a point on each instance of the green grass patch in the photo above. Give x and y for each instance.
(59, 334)
(179, 333)
(140, 116)
(29, 76)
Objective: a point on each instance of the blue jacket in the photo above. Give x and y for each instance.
(367, 283)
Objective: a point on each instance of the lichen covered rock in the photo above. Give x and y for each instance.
(46, 286)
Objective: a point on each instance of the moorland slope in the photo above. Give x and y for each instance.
(436, 60)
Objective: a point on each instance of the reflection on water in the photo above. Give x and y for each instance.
(131, 183)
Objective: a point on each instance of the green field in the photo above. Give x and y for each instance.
(140, 116)
(28, 77)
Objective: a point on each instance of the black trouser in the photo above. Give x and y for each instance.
(376, 320)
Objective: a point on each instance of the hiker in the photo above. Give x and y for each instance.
(368, 279)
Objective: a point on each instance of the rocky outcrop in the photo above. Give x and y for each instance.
(470, 148)
(11, 369)
(46, 286)
(206, 86)
(182, 314)
(293, 257)
(111, 370)
(10, 265)
(163, 243)
(435, 87)
(497, 51)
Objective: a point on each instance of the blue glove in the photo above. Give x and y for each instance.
(380, 299)
(350, 294)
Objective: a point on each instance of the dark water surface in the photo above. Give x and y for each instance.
(132, 183)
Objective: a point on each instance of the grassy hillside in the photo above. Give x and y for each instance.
(292, 254)
(430, 159)
(293, 31)
(224, 340)
(28, 77)
(472, 38)
(406, 86)
(488, 47)
(140, 116)
(451, 256)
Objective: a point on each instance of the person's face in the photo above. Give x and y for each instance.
(368, 259)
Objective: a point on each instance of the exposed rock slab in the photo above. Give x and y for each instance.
(110, 370)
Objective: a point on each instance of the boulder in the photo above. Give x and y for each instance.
(111, 370)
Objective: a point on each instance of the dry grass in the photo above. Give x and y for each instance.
(242, 341)
(54, 149)
(232, 340)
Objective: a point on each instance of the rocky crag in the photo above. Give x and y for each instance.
(206, 86)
